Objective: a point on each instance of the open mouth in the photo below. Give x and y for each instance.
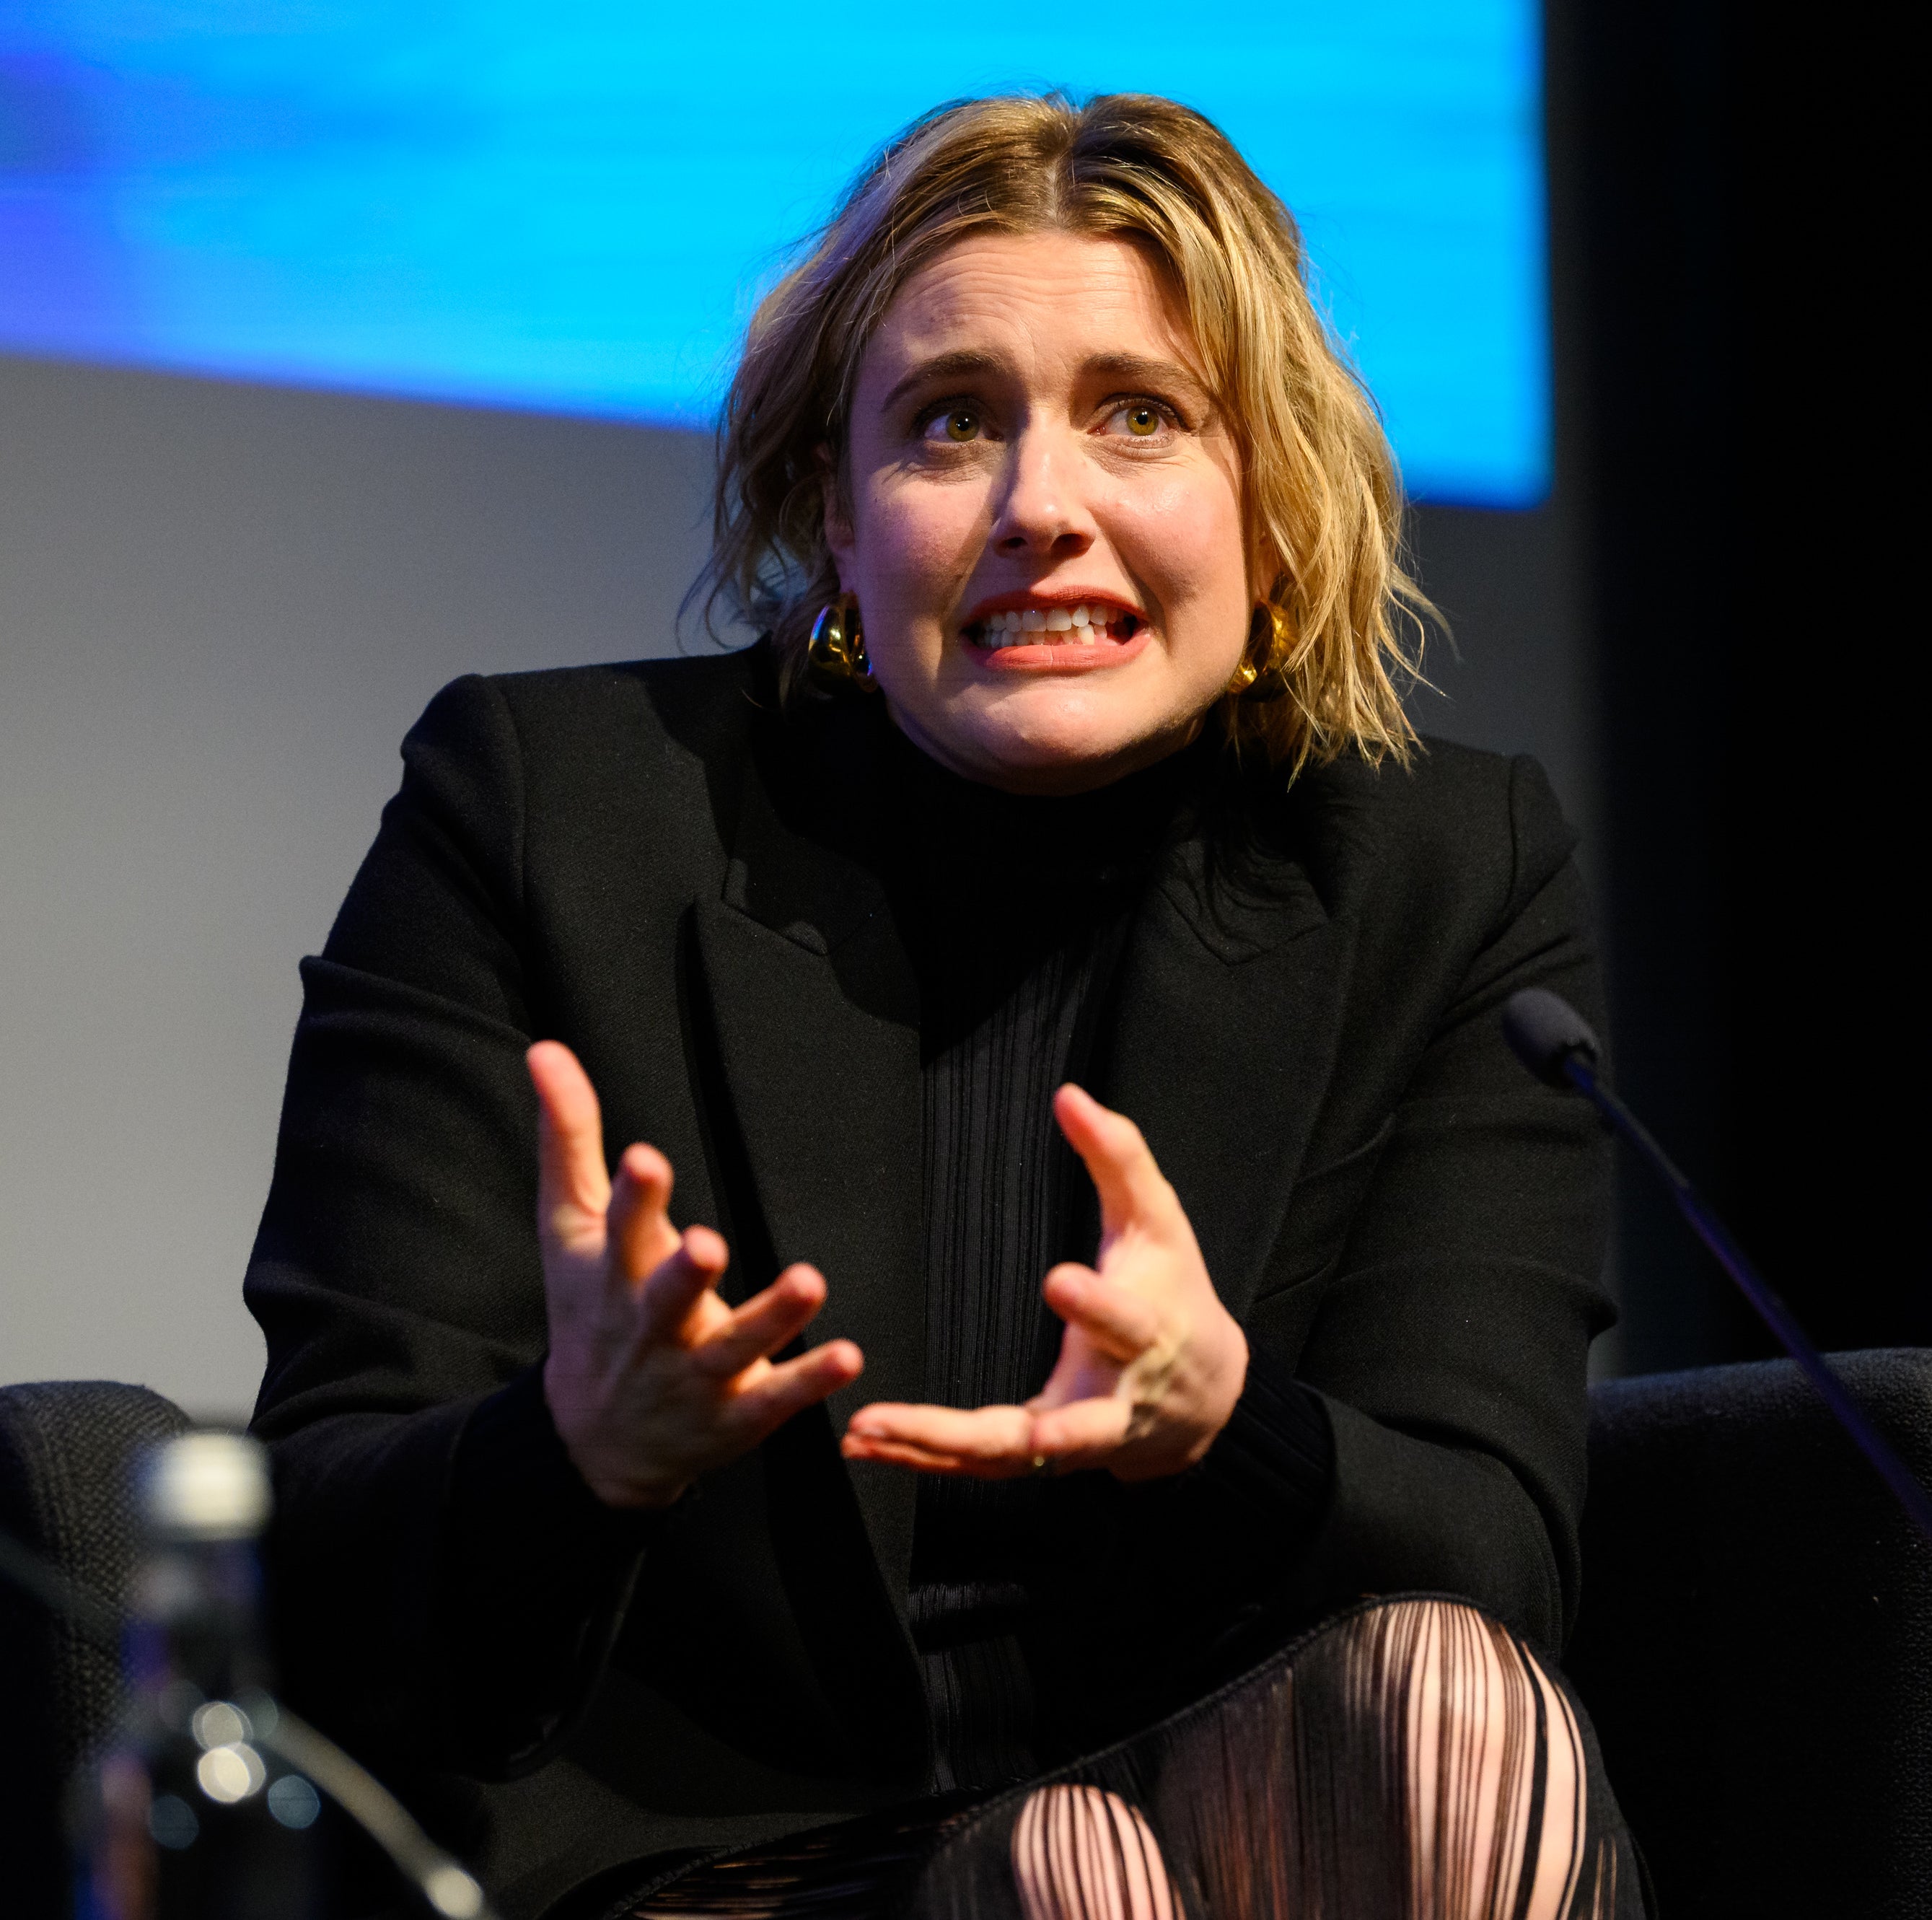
(1085, 623)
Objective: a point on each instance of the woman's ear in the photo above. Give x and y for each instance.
(837, 522)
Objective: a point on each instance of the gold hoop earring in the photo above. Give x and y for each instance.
(836, 651)
(1264, 677)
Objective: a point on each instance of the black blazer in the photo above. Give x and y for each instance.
(650, 864)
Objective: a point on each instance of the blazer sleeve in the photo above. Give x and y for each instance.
(1451, 1345)
(430, 1530)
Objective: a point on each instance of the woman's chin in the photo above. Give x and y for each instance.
(1051, 744)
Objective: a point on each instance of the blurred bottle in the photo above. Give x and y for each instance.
(187, 1817)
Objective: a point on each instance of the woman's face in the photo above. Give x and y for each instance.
(1045, 514)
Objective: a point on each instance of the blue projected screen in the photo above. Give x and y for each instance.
(573, 207)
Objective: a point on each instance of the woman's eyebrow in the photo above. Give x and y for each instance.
(1139, 370)
(961, 364)
(965, 362)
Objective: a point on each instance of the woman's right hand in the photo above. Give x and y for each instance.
(652, 1379)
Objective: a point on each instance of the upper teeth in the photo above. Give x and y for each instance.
(1029, 626)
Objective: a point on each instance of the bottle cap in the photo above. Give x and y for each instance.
(207, 1486)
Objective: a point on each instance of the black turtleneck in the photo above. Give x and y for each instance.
(1019, 910)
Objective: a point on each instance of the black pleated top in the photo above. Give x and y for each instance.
(1019, 911)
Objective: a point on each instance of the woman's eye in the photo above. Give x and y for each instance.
(961, 423)
(1141, 419)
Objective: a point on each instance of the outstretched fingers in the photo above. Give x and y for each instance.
(1081, 1433)
(573, 1187)
(767, 1401)
(642, 1237)
(992, 1441)
(1132, 1187)
(651, 1378)
(764, 1324)
(695, 1264)
(1118, 1321)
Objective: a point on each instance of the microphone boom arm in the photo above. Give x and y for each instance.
(1580, 1071)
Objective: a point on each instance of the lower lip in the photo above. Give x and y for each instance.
(1083, 656)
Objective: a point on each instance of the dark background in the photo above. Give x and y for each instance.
(1735, 221)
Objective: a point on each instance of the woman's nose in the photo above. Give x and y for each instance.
(1044, 510)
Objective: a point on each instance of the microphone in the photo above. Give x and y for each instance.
(1543, 1031)
(1555, 1042)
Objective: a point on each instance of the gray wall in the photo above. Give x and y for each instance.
(220, 608)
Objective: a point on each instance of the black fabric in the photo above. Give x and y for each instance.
(1019, 908)
(1013, 960)
(1744, 1558)
(1276, 1451)
(650, 864)
(545, 1614)
(68, 1451)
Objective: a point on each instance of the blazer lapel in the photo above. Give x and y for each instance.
(1226, 1032)
(814, 1008)
(824, 1077)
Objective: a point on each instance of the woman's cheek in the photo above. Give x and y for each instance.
(927, 541)
(1185, 542)
(1197, 501)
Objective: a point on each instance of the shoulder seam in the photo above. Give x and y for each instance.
(519, 851)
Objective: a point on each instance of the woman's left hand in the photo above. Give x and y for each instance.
(1151, 1363)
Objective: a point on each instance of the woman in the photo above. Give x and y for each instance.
(1060, 874)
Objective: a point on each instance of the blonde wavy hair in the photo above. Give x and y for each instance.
(1322, 496)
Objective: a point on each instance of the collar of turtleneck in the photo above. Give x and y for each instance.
(983, 833)
(999, 894)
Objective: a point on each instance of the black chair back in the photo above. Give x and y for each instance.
(66, 1452)
(1755, 1642)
